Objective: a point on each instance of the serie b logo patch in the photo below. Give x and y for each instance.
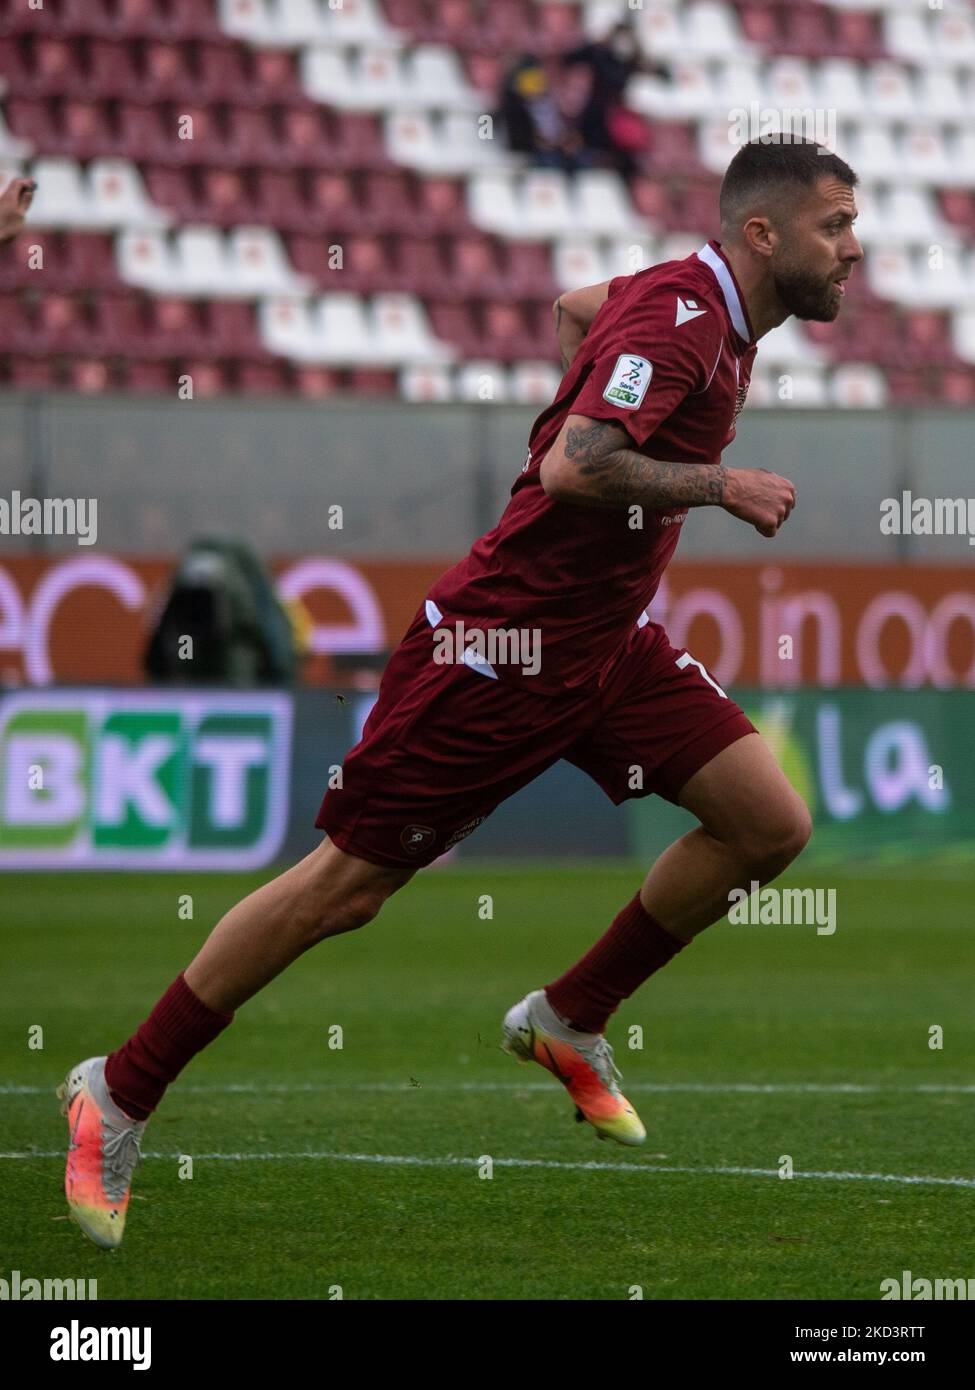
(628, 382)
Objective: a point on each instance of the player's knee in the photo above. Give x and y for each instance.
(771, 844)
(353, 910)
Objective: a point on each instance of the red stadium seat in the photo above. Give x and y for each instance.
(223, 73)
(87, 131)
(760, 25)
(422, 267)
(274, 79)
(307, 139)
(168, 73)
(141, 130)
(230, 330)
(958, 387)
(208, 144)
(81, 17)
(263, 378)
(61, 325)
(226, 197)
(456, 324)
(33, 374)
(369, 381)
(146, 19)
(149, 377)
(16, 269)
(857, 35)
(189, 19)
(90, 377)
(310, 255)
(808, 32)
(34, 121)
(388, 203)
(358, 142)
(511, 332)
(673, 148)
(19, 335)
(174, 190)
(474, 265)
(175, 328)
(89, 261)
(112, 71)
(316, 383)
(280, 201)
(409, 15)
(334, 200)
(254, 139)
(120, 326)
(208, 378)
(528, 272)
(441, 206)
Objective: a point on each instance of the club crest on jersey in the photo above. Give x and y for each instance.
(629, 381)
(416, 838)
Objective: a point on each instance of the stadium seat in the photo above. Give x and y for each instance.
(578, 262)
(481, 381)
(528, 272)
(230, 329)
(279, 201)
(63, 198)
(343, 332)
(710, 29)
(545, 203)
(285, 328)
(600, 205)
(120, 197)
(426, 385)
(258, 264)
(86, 130)
(433, 76)
(628, 255)
(857, 386)
(421, 268)
(358, 22)
(840, 88)
(167, 75)
(534, 383)
(456, 324)
(147, 259)
(254, 21)
(890, 92)
(120, 326)
(175, 328)
(399, 327)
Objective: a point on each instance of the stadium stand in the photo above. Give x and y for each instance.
(298, 196)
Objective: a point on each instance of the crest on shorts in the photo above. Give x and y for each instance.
(416, 838)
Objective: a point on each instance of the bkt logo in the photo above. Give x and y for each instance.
(139, 779)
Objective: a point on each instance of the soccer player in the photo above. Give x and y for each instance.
(657, 368)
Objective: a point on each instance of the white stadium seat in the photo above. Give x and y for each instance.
(144, 257)
(873, 153)
(545, 203)
(342, 331)
(839, 87)
(907, 36)
(426, 384)
(251, 20)
(120, 197)
(629, 255)
(711, 29)
(963, 334)
(482, 381)
(63, 197)
(534, 383)
(326, 76)
(493, 204)
(738, 81)
(285, 328)
(398, 324)
(577, 261)
(259, 265)
(358, 21)
(789, 83)
(203, 264)
(601, 204)
(788, 346)
(953, 34)
(299, 21)
(890, 91)
(433, 76)
(858, 386)
(925, 156)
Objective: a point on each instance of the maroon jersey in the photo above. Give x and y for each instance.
(669, 358)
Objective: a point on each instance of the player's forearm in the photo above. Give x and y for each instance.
(594, 471)
(574, 312)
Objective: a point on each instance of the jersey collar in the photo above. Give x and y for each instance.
(715, 259)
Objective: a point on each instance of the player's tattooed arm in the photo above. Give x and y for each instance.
(574, 312)
(592, 464)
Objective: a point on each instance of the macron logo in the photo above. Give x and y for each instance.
(687, 310)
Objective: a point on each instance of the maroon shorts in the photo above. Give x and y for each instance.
(445, 744)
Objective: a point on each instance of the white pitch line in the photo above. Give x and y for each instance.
(449, 1161)
(642, 1087)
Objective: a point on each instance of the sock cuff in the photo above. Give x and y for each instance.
(180, 1010)
(635, 922)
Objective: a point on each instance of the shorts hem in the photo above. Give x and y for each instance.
(678, 771)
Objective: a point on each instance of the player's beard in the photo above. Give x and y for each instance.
(807, 296)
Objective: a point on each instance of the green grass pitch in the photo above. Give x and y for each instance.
(758, 1042)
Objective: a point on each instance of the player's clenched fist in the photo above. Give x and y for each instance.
(758, 496)
(14, 202)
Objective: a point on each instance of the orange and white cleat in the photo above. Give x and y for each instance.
(583, 1062)
(103, 1150)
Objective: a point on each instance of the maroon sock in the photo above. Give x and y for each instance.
(179, 1027)
(634, 947)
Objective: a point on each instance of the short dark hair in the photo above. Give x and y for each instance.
(767, 168)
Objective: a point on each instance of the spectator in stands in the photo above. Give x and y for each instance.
(14, 202)
(533, 121)
(608, 128)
